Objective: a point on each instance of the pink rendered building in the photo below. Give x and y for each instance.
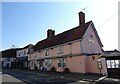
(77, 49)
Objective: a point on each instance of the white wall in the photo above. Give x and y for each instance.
(7, 62)
(89, 45)
(22, 53)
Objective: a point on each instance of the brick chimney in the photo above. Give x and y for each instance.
(50, 33)
(81, 18)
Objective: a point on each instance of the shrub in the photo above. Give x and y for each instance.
(53, 69)
(66, 70)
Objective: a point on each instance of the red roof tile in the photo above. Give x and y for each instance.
(67, 36)
(9, 53)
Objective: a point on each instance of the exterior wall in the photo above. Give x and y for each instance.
(6, 62)
(76, 64)
(34, 55)
(22, 53)
(86, 44)
(76, 47)
(54, 63)
(22, 58)
(92, 64)
(104, 66)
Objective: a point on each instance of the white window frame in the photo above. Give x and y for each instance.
(48, 62)
(60, 49)
(46, 52)
(62, 62)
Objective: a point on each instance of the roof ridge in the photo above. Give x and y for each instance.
(66, 36)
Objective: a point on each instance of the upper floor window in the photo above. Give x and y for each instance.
(60, 49)
(46, 52)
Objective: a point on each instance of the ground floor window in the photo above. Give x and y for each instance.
(48, 62)
(61, 62)
(113, 63)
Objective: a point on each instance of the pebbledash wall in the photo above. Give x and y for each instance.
(80, 55)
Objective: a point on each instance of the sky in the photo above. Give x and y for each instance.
(26, 23)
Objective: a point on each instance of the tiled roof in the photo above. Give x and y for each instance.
(9, 53)
(67, 36)
(111, 51)
(27, 46)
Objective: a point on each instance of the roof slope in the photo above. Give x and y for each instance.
(9, 53)
(67, 36)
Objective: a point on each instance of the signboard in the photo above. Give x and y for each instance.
(99, 65)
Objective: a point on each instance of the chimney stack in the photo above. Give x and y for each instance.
(50, 33)
(81, 18)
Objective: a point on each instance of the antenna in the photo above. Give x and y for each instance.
(84, 9)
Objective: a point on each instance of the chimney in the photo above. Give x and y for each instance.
(50, 33)
(81, 18)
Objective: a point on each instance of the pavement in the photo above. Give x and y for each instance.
(90, 78)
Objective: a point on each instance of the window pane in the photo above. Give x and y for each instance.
(59, 64)
(63, 64)
(117, 63)
(60, 49)
(108, 64)
(112, 64)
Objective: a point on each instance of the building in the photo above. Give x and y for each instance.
(112, 59)
(9, 57)
(76, 50)
(22, 56)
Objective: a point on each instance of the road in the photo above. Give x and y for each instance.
(14, 76)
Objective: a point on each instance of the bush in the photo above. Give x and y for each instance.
(66, 70)
(53, 69)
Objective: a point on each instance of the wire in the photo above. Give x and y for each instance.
(103, 23)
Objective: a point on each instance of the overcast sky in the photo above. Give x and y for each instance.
(27, 22)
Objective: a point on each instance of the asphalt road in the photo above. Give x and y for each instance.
(14, 76)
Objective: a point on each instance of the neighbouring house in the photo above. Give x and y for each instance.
(75, 50)
(22, 56)
(112, 59)
(9, 57)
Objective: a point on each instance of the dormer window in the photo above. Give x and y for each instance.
(60, 49)
(46, 52)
